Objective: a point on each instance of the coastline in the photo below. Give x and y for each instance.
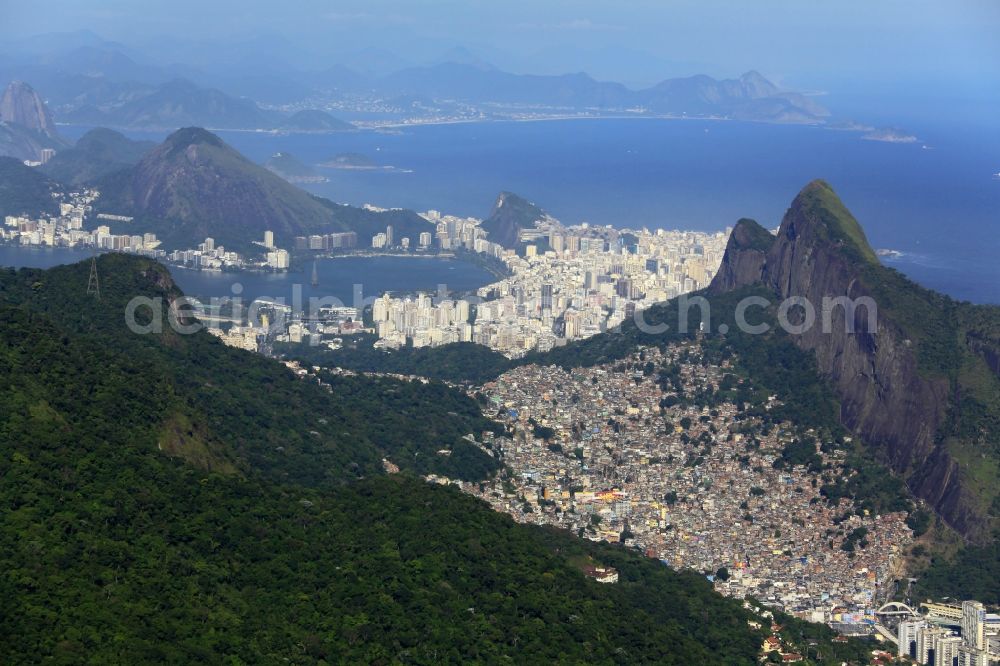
(354, 255)
(367, 126)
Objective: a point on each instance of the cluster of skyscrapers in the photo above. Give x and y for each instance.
(582, 282)
(932, 639)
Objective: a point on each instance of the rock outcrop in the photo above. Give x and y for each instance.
(511, 214)
(26, 127)
(746, 253)
(889, 395)
(21, 105)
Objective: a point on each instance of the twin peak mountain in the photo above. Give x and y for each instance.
(923, 388)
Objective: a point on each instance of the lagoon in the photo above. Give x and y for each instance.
(337, 276)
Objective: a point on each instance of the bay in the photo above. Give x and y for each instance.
(936, 201)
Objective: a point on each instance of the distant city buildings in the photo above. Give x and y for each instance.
(324, 242)
(67, 229)
(208, 257)
(589, 279)
(279, 259)
(421, 321)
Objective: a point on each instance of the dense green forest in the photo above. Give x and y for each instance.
(459, 362)
(227, 410)
(974, 573)
(167, 499)
(25, 191)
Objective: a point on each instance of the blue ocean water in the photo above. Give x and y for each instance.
(936, 201)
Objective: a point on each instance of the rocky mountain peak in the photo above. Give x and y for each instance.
(894, 380)
(818, 213)
(756, 85)
(22, 105)
(511, 213)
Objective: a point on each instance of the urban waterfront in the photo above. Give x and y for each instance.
(936, 205)
(337, 276)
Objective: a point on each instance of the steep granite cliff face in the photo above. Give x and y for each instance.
(26, 126)
(20, 104)
(895, 381)
(746, 253)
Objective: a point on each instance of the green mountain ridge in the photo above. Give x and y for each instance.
(171, 500)
(923, 393)
(194, 185)
(838, 224)
(918, 388)
(188, 367)
(24, 190)
(96, 154)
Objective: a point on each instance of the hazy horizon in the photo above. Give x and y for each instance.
(851, 47)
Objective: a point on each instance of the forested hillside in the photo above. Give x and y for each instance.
(169, 500)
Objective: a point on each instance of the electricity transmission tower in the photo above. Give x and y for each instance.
(93, 284)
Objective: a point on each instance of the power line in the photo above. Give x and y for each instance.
(94, 284)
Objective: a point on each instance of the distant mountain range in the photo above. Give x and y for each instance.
(315, 121)
(99, 84)
(180, 103)
(750, 97)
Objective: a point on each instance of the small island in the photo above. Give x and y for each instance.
(292, 169)
(890, 135)
(350, 161)
(357, 162)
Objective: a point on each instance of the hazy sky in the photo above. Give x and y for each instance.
(800, 42)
